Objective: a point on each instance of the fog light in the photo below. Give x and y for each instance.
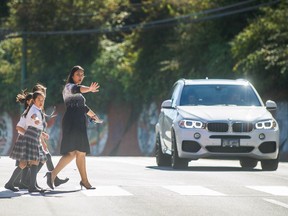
(197, 135)
(262, 136)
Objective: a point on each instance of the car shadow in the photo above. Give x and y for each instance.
(205, 169)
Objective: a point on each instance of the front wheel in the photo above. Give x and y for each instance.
(270, 165)
(177, 163)
(248, 163)
(161, 158)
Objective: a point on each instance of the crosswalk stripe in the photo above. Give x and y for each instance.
(116, 190)
(277, 203)
(274, 190)
(107, 191)
(193, 190)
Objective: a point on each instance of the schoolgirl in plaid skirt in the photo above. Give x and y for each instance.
(24, 98)
(28, 149)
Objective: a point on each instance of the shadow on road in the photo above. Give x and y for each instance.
(7, 194)
(205, 169)
(57, 192)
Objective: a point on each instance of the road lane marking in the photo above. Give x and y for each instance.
(106, 191)
(274, 190)
(193, 190)
(277, 203)
(99, 191)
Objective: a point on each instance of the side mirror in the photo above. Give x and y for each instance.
(166, 104)
(271, 105)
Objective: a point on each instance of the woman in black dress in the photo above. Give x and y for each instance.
(75, 142)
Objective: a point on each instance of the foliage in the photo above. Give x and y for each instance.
(178, 49)
(136, 50)
(261, 50)
(50, 53)
(112, 70)
(10, 69)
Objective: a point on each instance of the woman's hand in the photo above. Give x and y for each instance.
(44, 145)
(45, 135)
(94, 87)
(96, 119)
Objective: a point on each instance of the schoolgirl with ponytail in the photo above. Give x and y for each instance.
(24, 98)
(28, 150)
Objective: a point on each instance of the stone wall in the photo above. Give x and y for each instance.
(121, 134)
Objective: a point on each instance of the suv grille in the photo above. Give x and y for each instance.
(224, 127)
(242, 127)
(217, 127)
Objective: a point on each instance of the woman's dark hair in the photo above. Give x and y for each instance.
(73, 70)
(24, 97)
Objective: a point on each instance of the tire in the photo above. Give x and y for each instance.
(161, 158)
(270, 165)
(176, 162)
(248, 163)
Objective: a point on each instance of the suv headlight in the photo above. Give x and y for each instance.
(268, 124)
(191, 124)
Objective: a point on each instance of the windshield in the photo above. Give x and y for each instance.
(209, 95)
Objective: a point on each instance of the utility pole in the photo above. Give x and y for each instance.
(24, 61)
(23, 66)
(24, 56)
(24, 53)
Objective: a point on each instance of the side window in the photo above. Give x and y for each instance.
(175, 94)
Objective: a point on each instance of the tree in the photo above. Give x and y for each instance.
(136, 50)
(55, 42)
(261, 51)
(10, 53)
(177, 41)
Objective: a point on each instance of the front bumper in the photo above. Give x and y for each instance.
(210, 145)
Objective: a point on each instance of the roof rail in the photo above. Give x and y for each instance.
(183, 79)
(242, 79)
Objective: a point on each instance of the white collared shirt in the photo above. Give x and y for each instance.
(22, 124)
(31, 122)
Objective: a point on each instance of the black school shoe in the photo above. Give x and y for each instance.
(11, 187)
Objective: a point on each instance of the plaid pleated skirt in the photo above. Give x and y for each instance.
(28, 146)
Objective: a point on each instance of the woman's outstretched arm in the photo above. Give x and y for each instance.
(94, 87)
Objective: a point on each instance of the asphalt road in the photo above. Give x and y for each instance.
(136, 186)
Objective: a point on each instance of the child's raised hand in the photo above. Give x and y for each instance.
(96, 119)
(45, 135)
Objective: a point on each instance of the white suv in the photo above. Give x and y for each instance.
(219, 118)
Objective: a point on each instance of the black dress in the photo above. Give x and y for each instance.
(74, 131)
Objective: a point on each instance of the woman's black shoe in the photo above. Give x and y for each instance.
(11, 187)
(49, 180)
(58, 181)
(88, 188)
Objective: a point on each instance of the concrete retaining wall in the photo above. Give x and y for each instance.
(120, 134)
